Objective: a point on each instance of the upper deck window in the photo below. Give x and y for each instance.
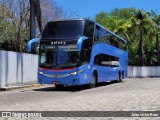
(89, 29)
(63, 29)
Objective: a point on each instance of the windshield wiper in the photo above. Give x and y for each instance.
(74, 64)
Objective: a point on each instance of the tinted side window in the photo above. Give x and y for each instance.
(113, 40)
(96, 33)
(103, 35)
(112, 58)
(88, 29)
(86, 51)
(97, 60)
(104, 58)
(100, 34)
(101, 57)
(107, 38)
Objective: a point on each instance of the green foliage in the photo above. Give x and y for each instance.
(15, 21)
(13, 27)
(103, 19)
(138, 28)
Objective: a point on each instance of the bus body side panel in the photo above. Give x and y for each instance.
(109, 73)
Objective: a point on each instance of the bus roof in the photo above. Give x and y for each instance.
(56, 20)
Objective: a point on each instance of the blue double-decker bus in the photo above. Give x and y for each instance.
(80, 51)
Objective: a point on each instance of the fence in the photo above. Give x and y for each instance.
(146, 71)
(17, 69)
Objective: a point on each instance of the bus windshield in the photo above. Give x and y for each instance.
(58, 57)
(63, 29)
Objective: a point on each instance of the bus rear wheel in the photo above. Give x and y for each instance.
(119, 78)
(94, 81)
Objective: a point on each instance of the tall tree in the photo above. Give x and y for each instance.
(118, 26)
(142, 21)
(156, 18)
(124, 13)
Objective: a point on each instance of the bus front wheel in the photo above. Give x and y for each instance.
(94, 81)
(59, 86)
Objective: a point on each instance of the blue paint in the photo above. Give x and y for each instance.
(104, 73)
(29, 46)
(83, 74)
(80, 41)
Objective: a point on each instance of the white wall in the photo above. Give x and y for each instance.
(17, 68)
(145, 71)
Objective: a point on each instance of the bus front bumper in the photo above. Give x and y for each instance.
(62, 79)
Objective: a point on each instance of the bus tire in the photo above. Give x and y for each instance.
(119, 77)
(59, 86)
(94, 81)
(122, 74)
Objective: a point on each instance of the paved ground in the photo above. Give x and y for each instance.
(131, 95)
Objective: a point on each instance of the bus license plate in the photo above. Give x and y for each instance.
(56, 83)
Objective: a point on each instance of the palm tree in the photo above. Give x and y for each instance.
(141, 20)
(118, 26)
(156, 19)
(121, 27)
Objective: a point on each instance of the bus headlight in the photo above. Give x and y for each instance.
(40, 73)
(75, 73)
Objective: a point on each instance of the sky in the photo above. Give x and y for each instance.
(89, 8)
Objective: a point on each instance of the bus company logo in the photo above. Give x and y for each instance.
(6, 114)
(58, 43)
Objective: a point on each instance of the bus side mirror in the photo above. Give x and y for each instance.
(33, 46)
(110, 63)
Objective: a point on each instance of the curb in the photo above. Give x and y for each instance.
(20, 87)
